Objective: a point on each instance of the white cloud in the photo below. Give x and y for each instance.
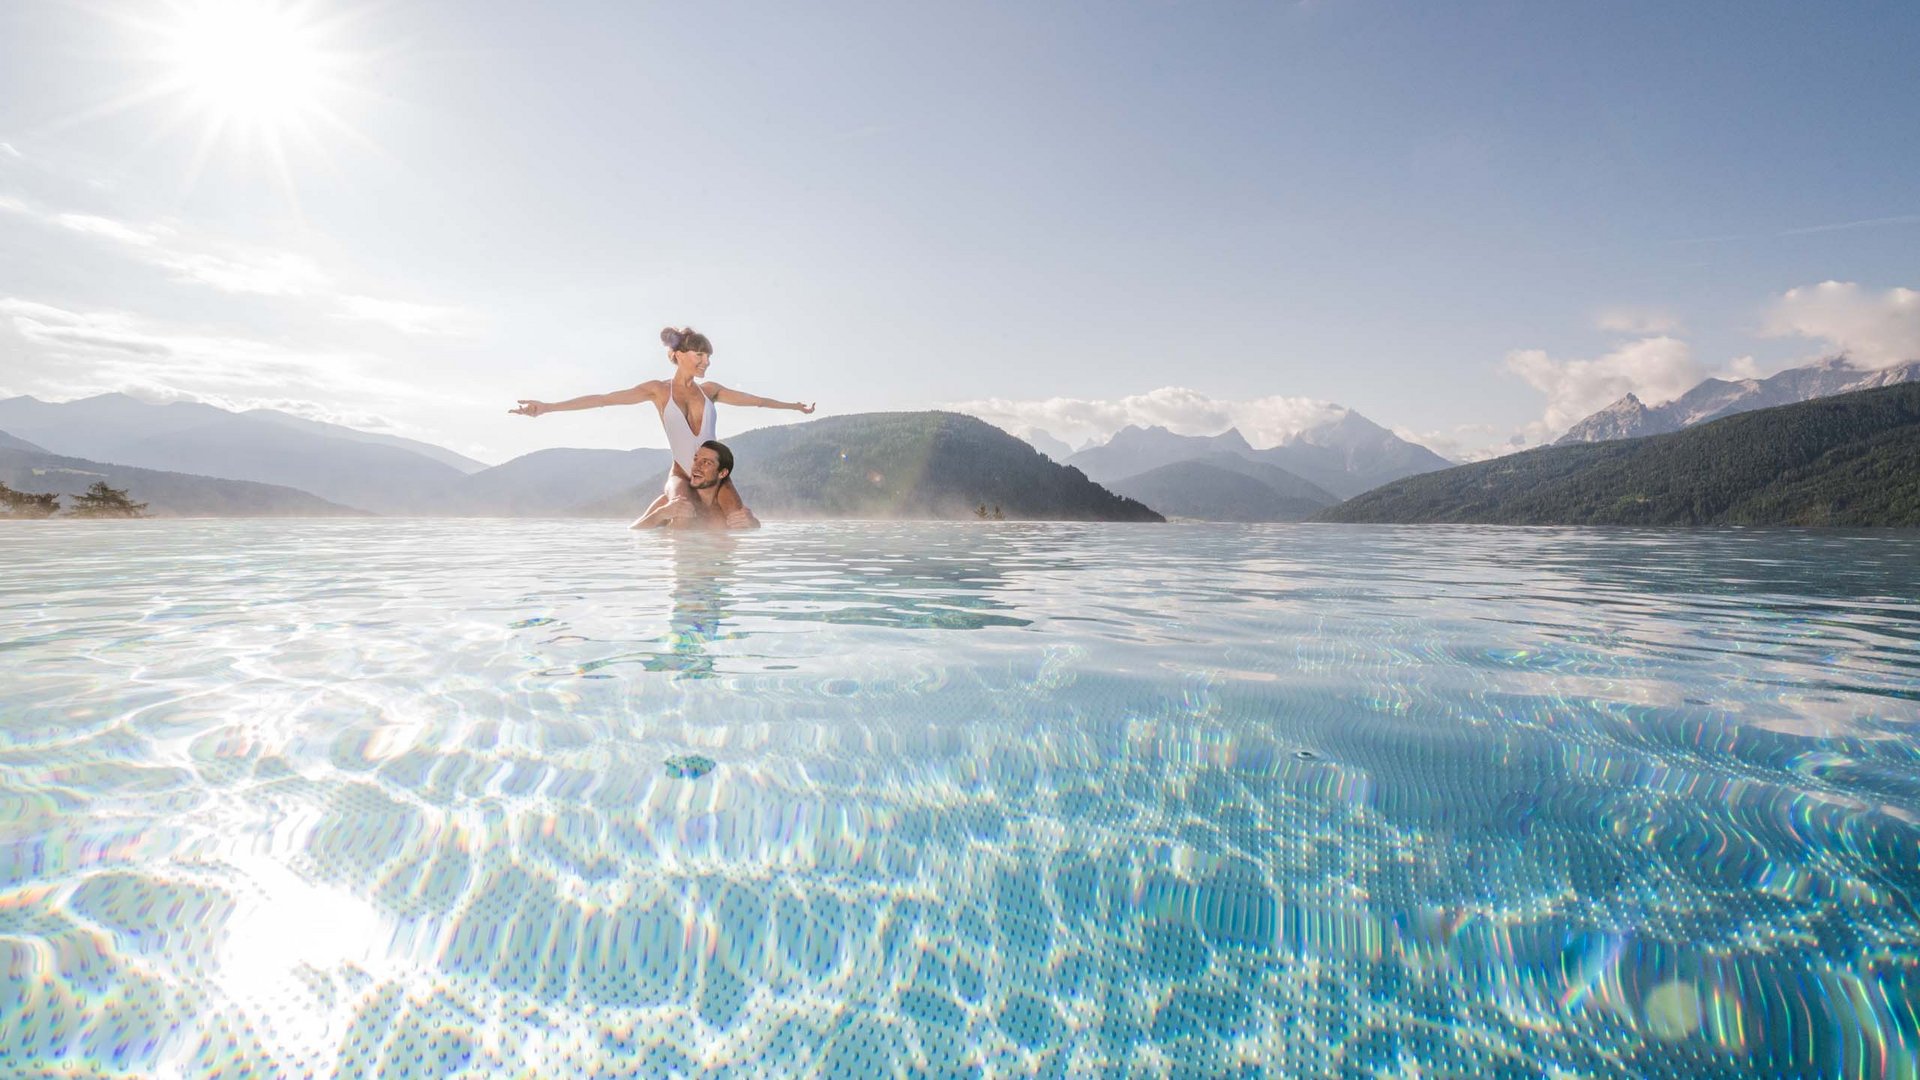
(1264, 421)
(8, 149)
(1464, 442)
(1269, 421)
(1080, 420)
(1863, 223)
(1639, 322)
(258, 273)
(49, 325)
(105, 227)
(1741, 367)
(356, 418)
(32, 309)
(408, 318)
(98, 351)
(311, 410)
(1874, 330)
(1656, 369)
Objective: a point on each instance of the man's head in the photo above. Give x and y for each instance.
(712, 463)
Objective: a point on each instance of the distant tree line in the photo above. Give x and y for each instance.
(98, 501)
(27, 504)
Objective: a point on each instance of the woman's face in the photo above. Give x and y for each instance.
(693, 363)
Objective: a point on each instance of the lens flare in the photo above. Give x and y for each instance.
(248, 59)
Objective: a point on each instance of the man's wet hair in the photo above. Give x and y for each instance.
(720, 451)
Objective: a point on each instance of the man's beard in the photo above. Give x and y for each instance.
(698, 486)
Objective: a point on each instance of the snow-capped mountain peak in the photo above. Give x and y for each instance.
(1714, 398)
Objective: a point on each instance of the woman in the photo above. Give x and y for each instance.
(687, 412)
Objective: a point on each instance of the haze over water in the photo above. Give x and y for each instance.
(1009, 798)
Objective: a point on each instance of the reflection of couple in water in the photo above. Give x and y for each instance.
(699, 489)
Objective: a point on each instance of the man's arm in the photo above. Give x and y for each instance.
(671, 512)
(646, 391)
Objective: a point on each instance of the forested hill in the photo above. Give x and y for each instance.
(910, 464)
(1850, 460)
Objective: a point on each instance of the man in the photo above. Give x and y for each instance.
(712, 465)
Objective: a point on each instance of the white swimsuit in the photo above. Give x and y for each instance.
(680, 438)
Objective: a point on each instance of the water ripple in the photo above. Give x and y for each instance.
(551, 798)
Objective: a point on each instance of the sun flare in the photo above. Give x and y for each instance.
(254, 62)
(270, 82)
(248, 60)
(249, 82)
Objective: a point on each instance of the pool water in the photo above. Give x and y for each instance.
(438, 798)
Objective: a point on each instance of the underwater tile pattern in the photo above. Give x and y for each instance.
(474, 798)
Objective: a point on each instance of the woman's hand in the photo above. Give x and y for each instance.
(529, 408)
(804, 406)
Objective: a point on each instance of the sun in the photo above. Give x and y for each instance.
(262, 81)
(268, 81)
(251, 63)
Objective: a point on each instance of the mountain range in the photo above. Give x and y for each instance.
(167, 494)
(907, 464)
(1220, 477)
(1224, 478)
(8, 442)
(872, 464)
(378, 473)
(198, 459)
(1848, 460)
(1712, 399)
(1041, 440)
(559, 482)
(1224, 487)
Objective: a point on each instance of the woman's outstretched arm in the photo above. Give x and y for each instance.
(646, 391)
(727, 396)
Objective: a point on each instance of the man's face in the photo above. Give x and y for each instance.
(706, 468)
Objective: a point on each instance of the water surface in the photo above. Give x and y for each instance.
(551, 798)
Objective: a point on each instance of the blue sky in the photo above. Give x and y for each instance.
(1471, 223)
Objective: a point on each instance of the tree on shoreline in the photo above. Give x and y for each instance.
(101, 501)
(27, 504)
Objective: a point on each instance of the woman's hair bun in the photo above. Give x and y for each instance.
(686, 339)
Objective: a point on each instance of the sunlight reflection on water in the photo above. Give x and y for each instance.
(847, 799)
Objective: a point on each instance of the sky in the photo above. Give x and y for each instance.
(1472, 223)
